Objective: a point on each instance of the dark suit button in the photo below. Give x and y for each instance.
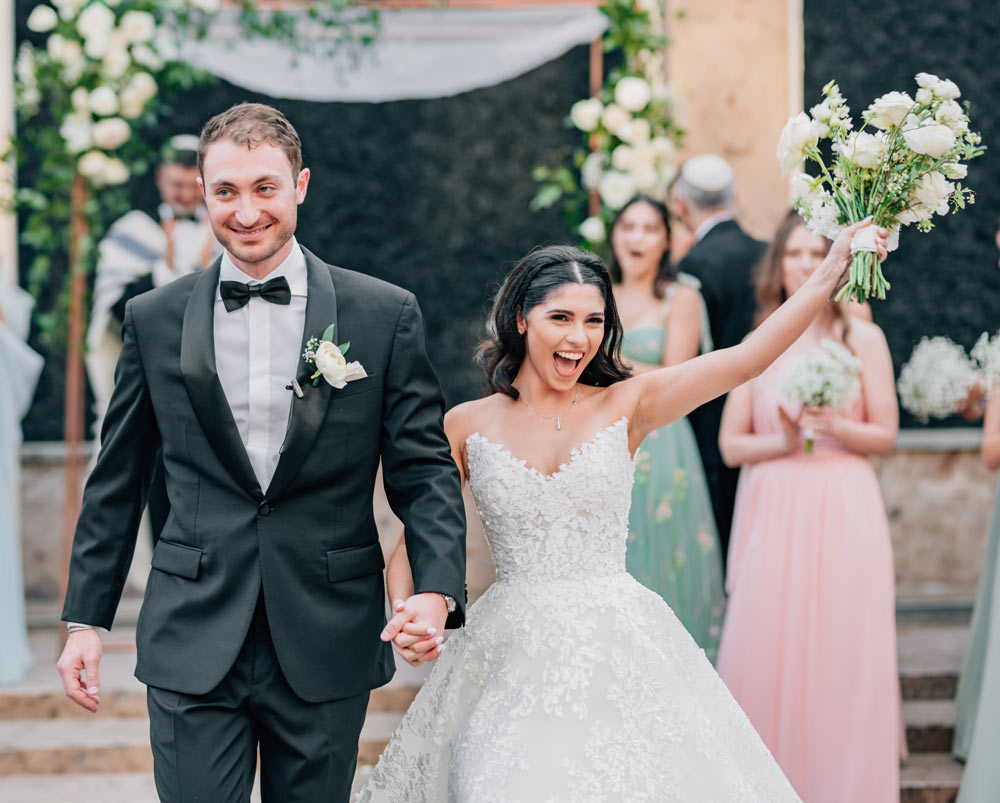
(264, 509)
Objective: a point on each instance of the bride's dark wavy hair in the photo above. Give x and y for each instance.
(534, 278)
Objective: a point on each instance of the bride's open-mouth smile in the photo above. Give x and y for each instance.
(567, 362)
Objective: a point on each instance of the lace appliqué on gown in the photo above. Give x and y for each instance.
(570, 681)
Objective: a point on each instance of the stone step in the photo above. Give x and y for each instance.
(930, 725)
(135, 787)
(26, 704)
(929, 778)
(124, 787)
(95, 745)
(930, 658)
(47, 747)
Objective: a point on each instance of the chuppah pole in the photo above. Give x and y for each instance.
(74, 417)
(596, 83)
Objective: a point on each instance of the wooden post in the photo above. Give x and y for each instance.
(74, 417)
(596, 84)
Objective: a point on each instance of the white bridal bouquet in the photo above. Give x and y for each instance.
(903, 166)
(936, 380)
(986, 354)
(826, 376)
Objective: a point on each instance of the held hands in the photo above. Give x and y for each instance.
(416, 630)
(82, 652)
(838, 260)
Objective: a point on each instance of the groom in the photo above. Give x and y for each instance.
(261, 624)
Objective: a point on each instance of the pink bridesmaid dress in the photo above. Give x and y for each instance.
(809, 642)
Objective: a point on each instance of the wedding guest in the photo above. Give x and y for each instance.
(977, 728)
(722, 259)
(20, 368)
(809, 645)
(673, 546)
(137, 254)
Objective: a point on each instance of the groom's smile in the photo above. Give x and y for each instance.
(252, 196)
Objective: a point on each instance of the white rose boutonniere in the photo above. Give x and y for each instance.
(329, 361)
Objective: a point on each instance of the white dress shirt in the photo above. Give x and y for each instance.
(257, 352)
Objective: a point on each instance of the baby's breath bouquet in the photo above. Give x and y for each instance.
(826, 376)
(935, 381)
(903, 166)
(986, 354)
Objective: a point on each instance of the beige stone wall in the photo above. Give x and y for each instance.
(736, 67)
(938, 503)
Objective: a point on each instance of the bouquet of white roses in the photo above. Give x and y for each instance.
(936, 379)
(903, 166)
(826, 376)
(986, 354)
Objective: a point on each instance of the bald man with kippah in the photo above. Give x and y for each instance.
(723, 258)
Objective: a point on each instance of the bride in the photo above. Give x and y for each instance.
(570, 681)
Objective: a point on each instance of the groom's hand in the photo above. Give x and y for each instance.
(415, 629)
(82, 653)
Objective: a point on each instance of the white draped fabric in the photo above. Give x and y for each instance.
(419, 53)
(20, 368)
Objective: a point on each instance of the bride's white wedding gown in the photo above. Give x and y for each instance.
(570, 681)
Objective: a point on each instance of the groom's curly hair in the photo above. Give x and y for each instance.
(535, 277)
(252, 124)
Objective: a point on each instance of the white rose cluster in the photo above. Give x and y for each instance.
(635, 156)
(889, 110)
(103, 170)
(799, 135)
(936, 379)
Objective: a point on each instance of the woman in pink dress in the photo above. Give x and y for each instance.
(809, 642)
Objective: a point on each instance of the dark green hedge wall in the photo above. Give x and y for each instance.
(946, 282)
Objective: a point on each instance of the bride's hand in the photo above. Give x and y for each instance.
(833, 270)
(415, 629)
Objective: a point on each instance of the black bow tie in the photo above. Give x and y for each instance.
(237, 294)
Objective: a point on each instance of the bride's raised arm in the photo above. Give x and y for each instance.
(664, 395)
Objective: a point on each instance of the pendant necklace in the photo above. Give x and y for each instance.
(556, 418)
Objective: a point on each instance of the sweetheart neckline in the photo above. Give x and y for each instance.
(574, 453)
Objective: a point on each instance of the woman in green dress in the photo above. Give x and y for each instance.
(977, 726)
(673, 545)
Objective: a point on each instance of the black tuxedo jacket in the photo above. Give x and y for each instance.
(309, 540)
(724, 262)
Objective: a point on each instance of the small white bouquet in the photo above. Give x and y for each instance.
(986, 354)
(900, 167)
(826, 376)
(936, 379)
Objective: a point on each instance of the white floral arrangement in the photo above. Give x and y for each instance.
(825, 376)
(635, 152)
(902, 167)
(986, 354)
(936, 379)
(104, 54)
(629, 127)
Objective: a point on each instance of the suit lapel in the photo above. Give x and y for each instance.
(198, 369)
(307, 413)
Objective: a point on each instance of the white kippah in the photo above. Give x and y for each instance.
(707, 172)
(184, 142)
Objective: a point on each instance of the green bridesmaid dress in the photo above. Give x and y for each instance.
(673, 544)
(977, 726)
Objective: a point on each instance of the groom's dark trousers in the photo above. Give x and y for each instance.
(205, 745)
(261, 621)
